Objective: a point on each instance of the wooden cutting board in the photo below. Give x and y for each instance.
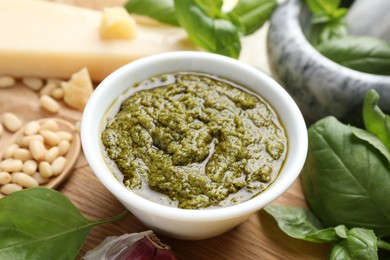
(257, 238)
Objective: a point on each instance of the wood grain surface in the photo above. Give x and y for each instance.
(257, 238)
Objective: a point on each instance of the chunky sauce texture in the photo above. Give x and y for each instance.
(195, 141)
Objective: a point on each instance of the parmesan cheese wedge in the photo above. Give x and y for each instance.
(46, 39)
(117, 24)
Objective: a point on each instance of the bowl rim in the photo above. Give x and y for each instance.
(138, 203)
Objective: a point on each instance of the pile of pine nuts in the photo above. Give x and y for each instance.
(36, 156)
(50, 90)
(73, 93)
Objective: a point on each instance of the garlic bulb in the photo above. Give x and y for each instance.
(144, 245)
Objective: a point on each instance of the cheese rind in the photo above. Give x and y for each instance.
(45, 39)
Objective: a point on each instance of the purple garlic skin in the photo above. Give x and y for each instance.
(134, 246)
(147, 248)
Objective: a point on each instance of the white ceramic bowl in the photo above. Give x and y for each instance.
(184, 223)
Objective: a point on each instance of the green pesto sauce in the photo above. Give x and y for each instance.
(195, 141)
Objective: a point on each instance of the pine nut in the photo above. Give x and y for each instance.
(22, 154)
(8, 153)
(19, 140)
(39, 178)
(11, 165)
(5, 178)
(58, 165)
(32, 128)
(6, 81)
(10, 188)
(50, 137)
(49, 104)
(63, 147)
(11, 122)
(52, 154)
(24, 180)
(57, 93)
(54, 81)
(30, 167)
(65, 136)
(26, 140)
(38, 150)
(47, 89)
(49, 124)
(45, 169)
(33, 83)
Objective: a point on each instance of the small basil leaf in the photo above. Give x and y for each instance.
(324, 32)
(40, 223)
(327, 6)
(360, 243)
(212, 8)
(374, 119)
(302, 224)
(339, 13)
(322, 17)
(341, 231)
(372, 140)
(346, 179)
(160, 10)
(216, 35)
(339, 252)
(362, 53)
(252, 14)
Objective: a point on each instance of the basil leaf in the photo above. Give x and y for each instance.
(212, 8)
(346, 180)
(360, 243)
(324, 18)
(252, 14)
(161, 10)
(372, 140)
(40, 223)
(374, 119)
(327, 21)
(319, 6)
(363, 53)
(326, 31)
(216, 35)
(357, 243)
(302, 224)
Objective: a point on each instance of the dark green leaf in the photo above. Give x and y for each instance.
(40, 223)
(346, 180)
(361, 53)
(216, 35)
(374, 119)
(252, 14)
(360, 243)
(302, 224)
(160, 10)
